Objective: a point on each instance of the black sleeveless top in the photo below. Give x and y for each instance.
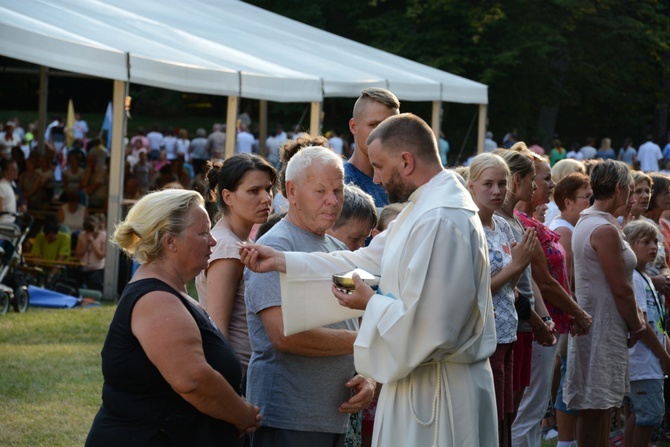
(139, 407)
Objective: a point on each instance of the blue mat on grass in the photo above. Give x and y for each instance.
(40, 297)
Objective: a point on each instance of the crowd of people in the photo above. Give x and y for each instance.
(604, 246)
(520, 296)
(65, 188)
(648, 157)
(66, 179)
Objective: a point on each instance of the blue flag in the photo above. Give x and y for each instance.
(107, 125)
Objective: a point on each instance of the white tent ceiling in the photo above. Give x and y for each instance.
(223, 47)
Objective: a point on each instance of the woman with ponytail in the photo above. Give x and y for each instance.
(170, 376)
(531, 185)
(242, 186)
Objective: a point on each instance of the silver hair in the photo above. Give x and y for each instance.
(301, 162)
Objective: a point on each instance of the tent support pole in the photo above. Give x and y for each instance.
(262, 126)
(42, 107)
(117, 159)
(435, 118)
(481, 128)
(315, 119)
(231, 125)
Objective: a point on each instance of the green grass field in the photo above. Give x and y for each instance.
(50, 379)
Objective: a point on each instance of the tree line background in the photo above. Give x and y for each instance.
(574, 68)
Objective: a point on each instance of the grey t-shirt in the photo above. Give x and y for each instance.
(524, 285)
(293, 392)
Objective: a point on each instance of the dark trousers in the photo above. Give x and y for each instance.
(281, 437)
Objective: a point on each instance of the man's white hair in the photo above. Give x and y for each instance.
(300, 163)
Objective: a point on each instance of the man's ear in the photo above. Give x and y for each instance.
(408, 163)
(352, 126)
(290, 190)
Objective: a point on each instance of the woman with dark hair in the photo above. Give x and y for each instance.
(596, 378)
(243, 189)
(562, 315)
(521, 187)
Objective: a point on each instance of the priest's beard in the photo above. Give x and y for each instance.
(397, 188)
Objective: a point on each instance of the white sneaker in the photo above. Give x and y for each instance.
(551, 434)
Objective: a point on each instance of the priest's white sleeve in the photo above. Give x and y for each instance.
(307, 299)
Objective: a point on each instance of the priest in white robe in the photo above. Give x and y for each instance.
(428, 331)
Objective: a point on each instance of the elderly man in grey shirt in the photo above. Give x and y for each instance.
(305, 383)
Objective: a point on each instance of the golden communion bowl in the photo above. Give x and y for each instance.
(346, 281)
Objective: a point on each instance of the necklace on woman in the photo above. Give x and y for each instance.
(512, 219)
(511, 216)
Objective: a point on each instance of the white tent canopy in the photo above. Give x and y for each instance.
(159, 55)
(221, 47)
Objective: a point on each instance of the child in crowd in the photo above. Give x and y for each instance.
(648, 359)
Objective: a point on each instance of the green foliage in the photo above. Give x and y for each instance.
(604, 65)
